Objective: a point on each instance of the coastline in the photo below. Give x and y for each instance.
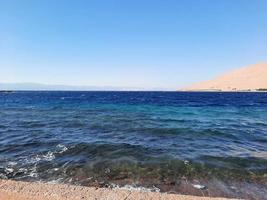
(225, 91)
(17, 190)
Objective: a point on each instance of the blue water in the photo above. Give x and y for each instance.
(165, 140)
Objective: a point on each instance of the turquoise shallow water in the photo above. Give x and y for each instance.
(170, 141)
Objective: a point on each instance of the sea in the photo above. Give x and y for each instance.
(197, 143)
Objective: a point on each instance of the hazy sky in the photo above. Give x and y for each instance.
(138, 43)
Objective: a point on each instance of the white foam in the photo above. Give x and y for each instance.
(55, 181)
(9, 170)
(61, 148)
(200, 187)
(24, 170)
(49, 156)
(33, 172)
(11, 163)
(136, 188)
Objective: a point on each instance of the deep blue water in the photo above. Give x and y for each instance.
(165, 140)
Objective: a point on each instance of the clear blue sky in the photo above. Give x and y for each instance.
(141, 43)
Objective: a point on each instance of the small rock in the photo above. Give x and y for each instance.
(2, 176)
(107, 170)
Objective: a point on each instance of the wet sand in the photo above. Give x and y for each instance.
(16, 190)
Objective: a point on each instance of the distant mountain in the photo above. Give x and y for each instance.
(253, 77)
(37, 86)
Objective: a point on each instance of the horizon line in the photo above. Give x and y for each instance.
(34, 86)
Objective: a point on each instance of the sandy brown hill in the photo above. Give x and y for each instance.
(253, 77)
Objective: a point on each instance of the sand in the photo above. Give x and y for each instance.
(16, 190)
(246, 78)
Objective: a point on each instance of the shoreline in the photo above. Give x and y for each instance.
(18, 190)
(142, 91)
